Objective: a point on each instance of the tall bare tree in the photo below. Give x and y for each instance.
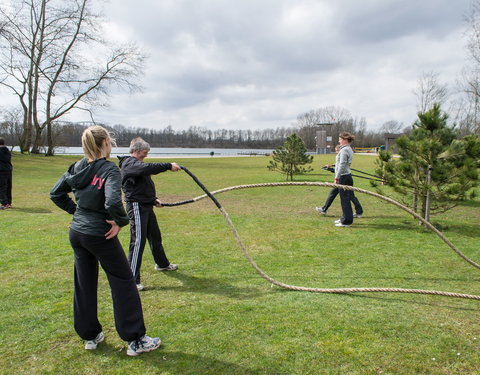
(430, 91)
(54, 58)
(338, 119)
(12, 124)
(391, 126)
(467, 110)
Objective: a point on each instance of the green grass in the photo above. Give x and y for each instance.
(215, 315)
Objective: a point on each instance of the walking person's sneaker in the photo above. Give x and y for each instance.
(321, 210)
(342, 225)
(358, 216)
(142, 345)
(337, 221)
(170, 267)
(140, 287)
(3, 207)
(92, 344)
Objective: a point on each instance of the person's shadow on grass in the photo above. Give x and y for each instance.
(209, 286)
(32, 210)
(175, 362)
(468, 230)
(186, 363)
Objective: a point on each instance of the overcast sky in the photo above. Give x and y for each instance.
(261, 63)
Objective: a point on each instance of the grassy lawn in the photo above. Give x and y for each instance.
(216, 315)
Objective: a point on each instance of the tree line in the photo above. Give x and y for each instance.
(68, 134)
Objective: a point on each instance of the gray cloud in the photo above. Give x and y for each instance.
(261, 63)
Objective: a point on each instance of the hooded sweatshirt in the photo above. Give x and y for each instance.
(137, 184)
(343, 161)
(98, 196)
(5, 160)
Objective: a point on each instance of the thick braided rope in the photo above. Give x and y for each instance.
(332, 290)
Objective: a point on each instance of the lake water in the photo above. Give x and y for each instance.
(176, 152)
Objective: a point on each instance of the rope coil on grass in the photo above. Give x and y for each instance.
(324, 290)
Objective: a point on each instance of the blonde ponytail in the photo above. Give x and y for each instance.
(92, 142)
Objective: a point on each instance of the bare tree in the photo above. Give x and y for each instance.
(392, 126)
(54, 59)
(308, 123)
(466, 111)
(430, 91)
(12, 125)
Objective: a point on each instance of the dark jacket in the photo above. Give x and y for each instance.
(137, 184)
(5, 160)
(98, 196)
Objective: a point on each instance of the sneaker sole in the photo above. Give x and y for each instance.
(95, 347)
(131, 353)
(165, 269)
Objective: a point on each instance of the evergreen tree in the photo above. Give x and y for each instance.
(436, 170)
(290, 157)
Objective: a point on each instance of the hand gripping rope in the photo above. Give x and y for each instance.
(325, 184)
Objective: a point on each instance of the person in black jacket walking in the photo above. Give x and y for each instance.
(98, 216)
(140, 196)
(5, 176)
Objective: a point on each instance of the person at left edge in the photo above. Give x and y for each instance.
(98, 216)
(141, 198)
(5, 176)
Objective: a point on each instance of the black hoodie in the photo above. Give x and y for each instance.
(137, 184)
(98, 196)
(5, 159)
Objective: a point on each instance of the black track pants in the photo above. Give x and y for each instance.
(333, 194)
(143, 227)
(127, 308)
(345, 199)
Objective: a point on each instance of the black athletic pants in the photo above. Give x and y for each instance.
(333, 194)
(345, 199)
(143, 227)
(5, 188)
(127, 308)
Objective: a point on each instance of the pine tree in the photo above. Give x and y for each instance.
(290, 158)
(436, 170)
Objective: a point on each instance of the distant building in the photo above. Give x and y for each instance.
(390, 142)
(323, 139)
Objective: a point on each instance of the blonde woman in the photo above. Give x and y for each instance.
(98, 216)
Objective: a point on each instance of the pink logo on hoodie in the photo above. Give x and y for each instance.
(97, 181)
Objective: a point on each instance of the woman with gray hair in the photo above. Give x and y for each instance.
(141, 198)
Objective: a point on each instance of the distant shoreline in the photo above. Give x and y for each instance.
(175, 152)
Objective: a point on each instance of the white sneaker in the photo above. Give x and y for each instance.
(358, 216)
(321, 210)
(341, 225)
(92, 344)
(337, 221)
(142, 345)
(140, 287)
(170, 267)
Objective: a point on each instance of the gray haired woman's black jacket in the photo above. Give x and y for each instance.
(97, 190)
(137, 184)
